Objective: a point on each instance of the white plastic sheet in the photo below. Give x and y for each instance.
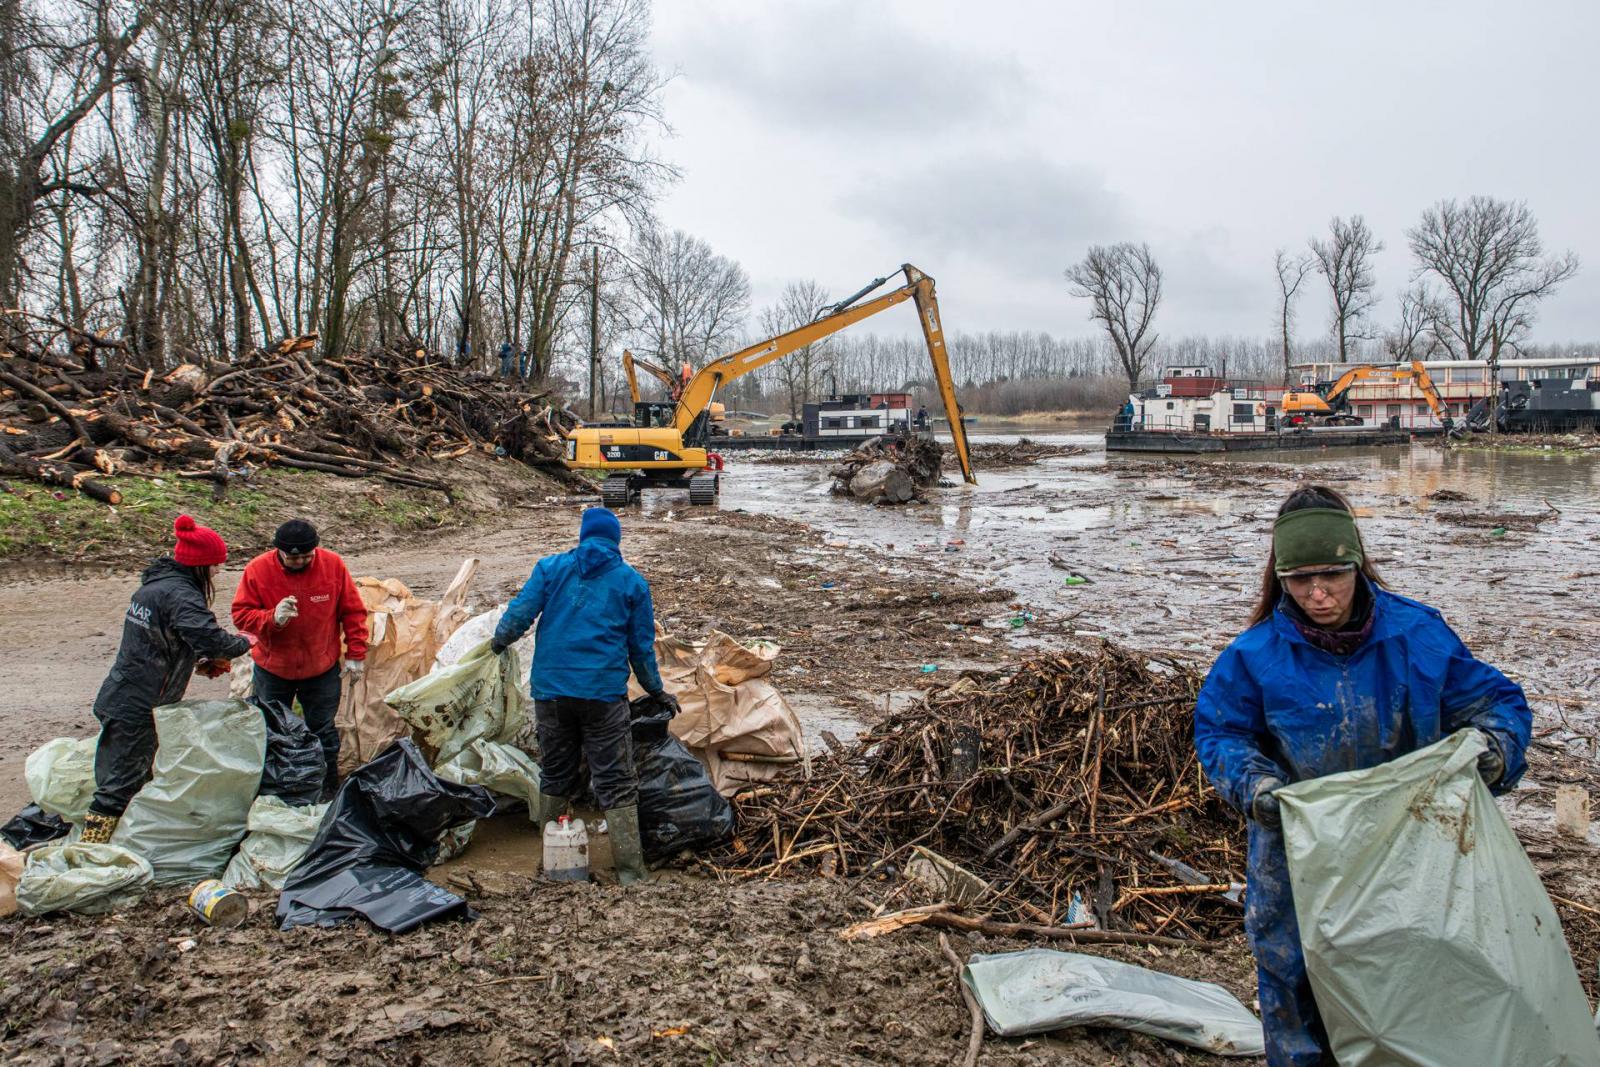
(88, 879)
(278, 835)
(60, 776)
(498, 767)
(190, 816)
(1040, 989)
(1428, 937)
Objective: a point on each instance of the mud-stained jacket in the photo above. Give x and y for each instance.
(169, 625)
(595, 621)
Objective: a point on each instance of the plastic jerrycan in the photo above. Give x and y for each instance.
(566, 850)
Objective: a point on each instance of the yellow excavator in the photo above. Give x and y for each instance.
(1332, 404)
(654, 412)
(671, 454)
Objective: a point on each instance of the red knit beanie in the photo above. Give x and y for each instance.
(198, 546)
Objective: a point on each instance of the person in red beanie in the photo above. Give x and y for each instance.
(297, 598)
(168, 628)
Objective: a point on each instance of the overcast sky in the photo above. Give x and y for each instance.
(990, 143)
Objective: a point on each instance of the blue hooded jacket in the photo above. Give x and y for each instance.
(1275, 705)
(595, 621)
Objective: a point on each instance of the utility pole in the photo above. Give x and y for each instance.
(594, 334)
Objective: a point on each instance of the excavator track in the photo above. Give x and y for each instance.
(615, 491)
(703, 488)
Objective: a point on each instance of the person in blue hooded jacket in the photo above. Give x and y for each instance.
(1335, 673)
(595, 623)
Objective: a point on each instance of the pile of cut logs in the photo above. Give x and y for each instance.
(374, 415)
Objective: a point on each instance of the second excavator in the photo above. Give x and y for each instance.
(672, 454)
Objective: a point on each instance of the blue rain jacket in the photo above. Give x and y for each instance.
(1274, 705)
(595, 621)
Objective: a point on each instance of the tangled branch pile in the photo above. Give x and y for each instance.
(1019, 453)
(1073, 775)
(359, 416)
(889, 469)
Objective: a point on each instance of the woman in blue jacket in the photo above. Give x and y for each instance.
(1335, 673)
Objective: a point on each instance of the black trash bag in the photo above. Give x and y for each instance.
(34, 826)
(295, 765)
(380, 833)
(679, 808)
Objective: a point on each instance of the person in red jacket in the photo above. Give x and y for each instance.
(296, 599)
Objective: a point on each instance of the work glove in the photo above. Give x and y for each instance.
(668, 701)
(1491, 764)
(1264, 806)
(498, 647)
(354, 668)
(288, 608)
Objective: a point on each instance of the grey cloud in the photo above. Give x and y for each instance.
(849, 66)
(1025, 214)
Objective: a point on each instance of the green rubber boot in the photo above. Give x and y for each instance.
(627, 847)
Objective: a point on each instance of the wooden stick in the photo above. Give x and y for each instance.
(23, 385)
(975, 1038)
(1057, 933)
(1168, 891)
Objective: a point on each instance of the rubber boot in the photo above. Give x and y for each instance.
(551, 808)
(97, 829)
(627, 847)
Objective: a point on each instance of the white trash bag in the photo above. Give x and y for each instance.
(278, 836)
(88, 879)
(451, 707)
(60, 776)
(1428, 937)
(1040, 989)
(498, 767)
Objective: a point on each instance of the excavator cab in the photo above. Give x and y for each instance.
(649, 414)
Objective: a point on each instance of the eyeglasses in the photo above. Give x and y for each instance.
(1328, 580)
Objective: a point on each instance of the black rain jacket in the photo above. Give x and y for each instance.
(168, 627)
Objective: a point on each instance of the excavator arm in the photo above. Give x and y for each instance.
(702, 388)
(633, 379)
(660, 374)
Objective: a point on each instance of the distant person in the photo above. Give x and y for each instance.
(1125, 416)
(922, 418)
(168, 630)
(298, 599)
(595, 622)
(508, 359)
(1335, 674)
(522, 361)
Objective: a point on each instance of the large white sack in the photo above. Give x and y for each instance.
(88, 879)
(60, 776)
(278, 836)
(1428, 937)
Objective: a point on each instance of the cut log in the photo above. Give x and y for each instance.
(59, 474)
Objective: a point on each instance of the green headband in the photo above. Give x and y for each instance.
(1315, 536)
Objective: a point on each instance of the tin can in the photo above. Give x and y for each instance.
(218, 905)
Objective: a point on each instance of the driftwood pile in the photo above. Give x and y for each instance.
(889, 470)
(364, 415)
(1020, 453)
(1066, 788)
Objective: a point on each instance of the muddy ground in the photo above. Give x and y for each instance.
(863, 600)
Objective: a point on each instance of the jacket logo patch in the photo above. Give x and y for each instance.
(320, 598)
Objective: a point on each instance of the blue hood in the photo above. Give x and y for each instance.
(596, 555)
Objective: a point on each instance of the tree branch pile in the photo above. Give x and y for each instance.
(889, 470)
(1067, 784)
(383, 415)
(1020, 453)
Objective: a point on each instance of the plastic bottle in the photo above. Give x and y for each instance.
(566, 850)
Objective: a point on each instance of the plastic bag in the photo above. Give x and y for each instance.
(499, 767)
(1040, 989)
(88, 879)
(294, 767)
(60, 776)
(679, 807)
(382, 831)
(278, 837)
(34, 826)
(189, 817)
(1428, 937)
(454, 706)
(478, 629)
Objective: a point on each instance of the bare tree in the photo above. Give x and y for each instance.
(1292, 271)
(800, 373)
(688, 302)
(1345, 260)
(1415, 335)
(1123, 284)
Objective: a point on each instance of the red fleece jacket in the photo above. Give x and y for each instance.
(308, 644)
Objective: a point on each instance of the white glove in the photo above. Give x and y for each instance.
(355, 668)
(288, 608)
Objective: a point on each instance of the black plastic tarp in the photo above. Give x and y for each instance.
(679, 807)
(34, 826)
(380, 833)
(295, 766)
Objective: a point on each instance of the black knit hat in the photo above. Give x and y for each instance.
(296, 537)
